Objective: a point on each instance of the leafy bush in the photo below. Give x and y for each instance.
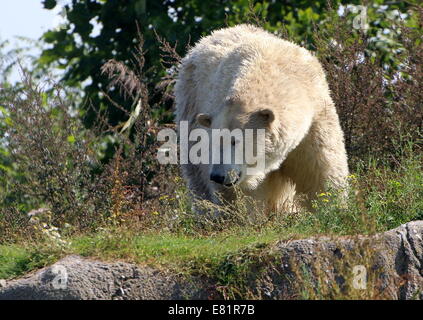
(54, 159)
(83, 178)
(376, 101)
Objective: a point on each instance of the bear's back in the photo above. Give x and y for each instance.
(223, 42)
(226, 59)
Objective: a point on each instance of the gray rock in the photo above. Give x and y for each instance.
(384, 266)
(75, 277)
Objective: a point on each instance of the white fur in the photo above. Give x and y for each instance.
(236, 72)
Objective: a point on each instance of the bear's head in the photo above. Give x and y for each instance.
(251, 139)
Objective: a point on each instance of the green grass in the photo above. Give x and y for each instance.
(180, 253)
(177, 252)
(165, 250)
(18, 259)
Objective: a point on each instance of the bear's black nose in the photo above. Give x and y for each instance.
(217, 178)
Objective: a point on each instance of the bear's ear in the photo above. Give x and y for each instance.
(267, 115)
(204, 120)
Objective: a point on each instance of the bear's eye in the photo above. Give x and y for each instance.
(267, 115)
(204, 120)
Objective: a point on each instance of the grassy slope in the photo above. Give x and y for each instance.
(166, 250)
(387, 198)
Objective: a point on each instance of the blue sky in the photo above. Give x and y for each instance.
(25, 18)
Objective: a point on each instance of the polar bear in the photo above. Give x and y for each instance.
(245, 77)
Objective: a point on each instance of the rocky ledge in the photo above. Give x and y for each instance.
(383, 266)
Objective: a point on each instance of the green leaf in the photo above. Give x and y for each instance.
(49, 4)
(71, 139)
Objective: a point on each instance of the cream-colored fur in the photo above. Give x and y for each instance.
(236, 72)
